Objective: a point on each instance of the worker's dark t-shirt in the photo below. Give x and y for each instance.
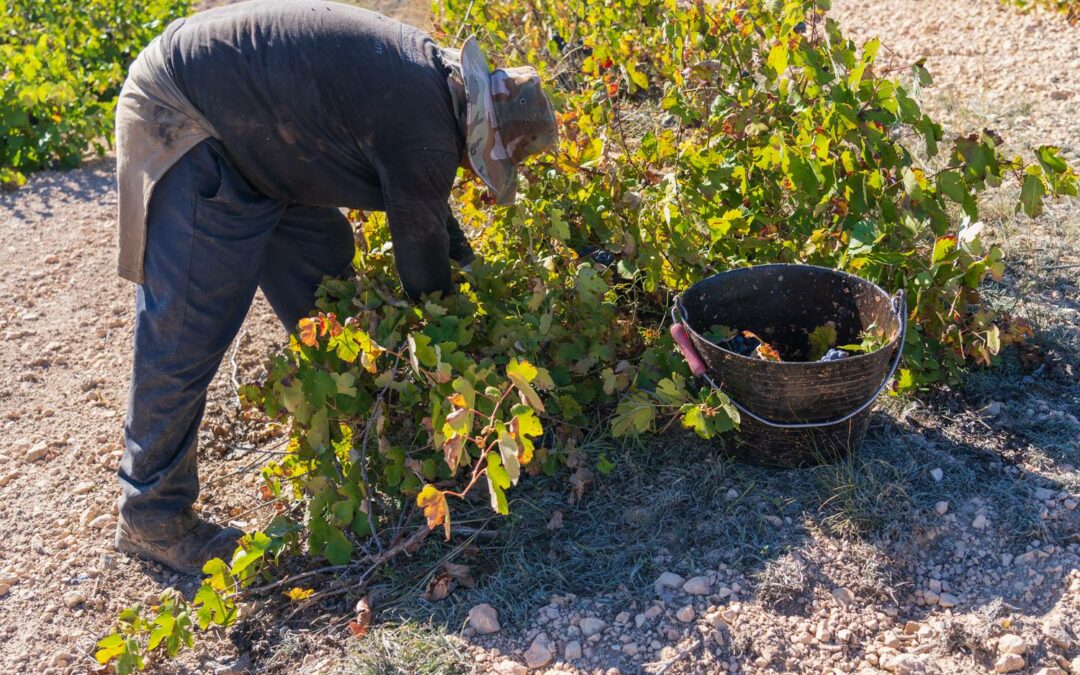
(325, 104)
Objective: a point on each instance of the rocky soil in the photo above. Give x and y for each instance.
(975, 569)
(67, 322)
(992, 66)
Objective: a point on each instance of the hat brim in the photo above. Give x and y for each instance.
(486, 151)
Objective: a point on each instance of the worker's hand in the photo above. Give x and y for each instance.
(460, 249)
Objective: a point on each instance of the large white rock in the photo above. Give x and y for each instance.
(484, 619)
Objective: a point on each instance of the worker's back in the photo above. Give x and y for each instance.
(313, 100)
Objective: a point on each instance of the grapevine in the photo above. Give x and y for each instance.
(694, 138)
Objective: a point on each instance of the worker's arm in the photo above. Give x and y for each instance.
(417, 213)
(460, 249)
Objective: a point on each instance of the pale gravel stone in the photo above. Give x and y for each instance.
(906, 664)
(539, 653)
(1055, 630)
(1012, 644)
(669, 580)
(508, 667)
(74, 598)
(843, 595)
(697, 586)
(1009, 663)
(948, 600)
(591, 626)
(37, 452)
(101, 522)
(572, 650)
(484, 619)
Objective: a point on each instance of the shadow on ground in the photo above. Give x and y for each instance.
(871, 523)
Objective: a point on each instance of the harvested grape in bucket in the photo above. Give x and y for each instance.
(822, 343)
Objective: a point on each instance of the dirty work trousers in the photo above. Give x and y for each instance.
(212, 240)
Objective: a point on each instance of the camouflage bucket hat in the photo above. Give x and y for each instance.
(509, 117)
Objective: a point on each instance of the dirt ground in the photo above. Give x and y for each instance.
(950, 544)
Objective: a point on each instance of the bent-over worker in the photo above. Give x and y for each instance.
(241, 132)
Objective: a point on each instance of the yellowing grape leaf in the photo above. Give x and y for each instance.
(457, 399)
(309, 332)
(297, 594)
(452, 448)
(436, 510)
(498, 481)
(345, 383)
(508, 450)
(458, 420)
(521, 373)
(778, 59)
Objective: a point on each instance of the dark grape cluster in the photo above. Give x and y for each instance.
(597, 254)
(603, 257)
(742, 345)
(834, 355)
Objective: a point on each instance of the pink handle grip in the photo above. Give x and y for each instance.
(682, 340)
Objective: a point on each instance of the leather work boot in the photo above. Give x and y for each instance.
(185, 552)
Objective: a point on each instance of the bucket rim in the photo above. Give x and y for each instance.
(890, 345)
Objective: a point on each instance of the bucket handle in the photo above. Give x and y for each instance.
(680, 334)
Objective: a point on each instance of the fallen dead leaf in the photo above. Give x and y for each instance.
(438, 588)
(556, 521)
(359, 627)
(461, 574)
(580, 480)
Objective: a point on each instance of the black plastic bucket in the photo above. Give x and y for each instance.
(794, 413)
